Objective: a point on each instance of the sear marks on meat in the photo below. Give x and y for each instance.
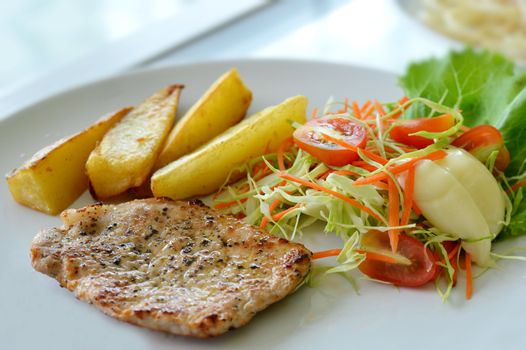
(178, 267)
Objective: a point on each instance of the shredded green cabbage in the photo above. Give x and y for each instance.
(295, 207)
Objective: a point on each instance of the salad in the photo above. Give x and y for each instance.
(417, 189)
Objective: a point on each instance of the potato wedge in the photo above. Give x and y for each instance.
(55, 176)
(224, 104)
(127, 153)
(206, 169)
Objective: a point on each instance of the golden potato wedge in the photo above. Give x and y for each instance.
(206, 169)
(55, 176)
(127, 153)
(224, 104)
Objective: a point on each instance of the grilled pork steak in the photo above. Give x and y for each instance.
(178, 267)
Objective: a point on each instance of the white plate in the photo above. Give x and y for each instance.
(37, 313)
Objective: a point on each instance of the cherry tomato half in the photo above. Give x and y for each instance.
(309, 138)
(416, 264)
(481, 141)
(402, 130)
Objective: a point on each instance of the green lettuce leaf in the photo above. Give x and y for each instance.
(485, 86)
(488, 89)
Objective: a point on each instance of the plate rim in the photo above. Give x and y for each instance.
(189, 65)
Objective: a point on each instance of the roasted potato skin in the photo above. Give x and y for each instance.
(206, 169)
(223, 105)
(127, 153)
(55, 176)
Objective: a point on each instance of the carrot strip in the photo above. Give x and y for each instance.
(272, 206)
(356, 110)
(262, 174)
(379, 108)
(279, 215)
(400, 103)
(229, 204)
(314, 113)
(453, 252)
(345, 108)
(325, 174)
(377, 256)
(382, 186)
(469, 277)
(346, 172)
(346, 105)
(366, 105)
(403, 100)
(369, 111)
(364, 165)
(408, 196)
(317, 187)
(394, 212)
(325, 253)
(396, 169)
(454, 264)
(344, 144)
(282, 147)
(416, 208)
(264, 222)
(518, 185)
(368, 255)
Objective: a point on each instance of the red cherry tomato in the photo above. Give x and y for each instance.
(309, 138)
(481, 141)
(403, 129)
(417, 263)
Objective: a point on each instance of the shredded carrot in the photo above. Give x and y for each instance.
(356, 110)
(326, 253)
(229, 204)
(416, 208)
(345, 108)
(364, 165)
(379, 108)
(454, 264)
(382, 186)
(282, 183)
(353, 148)
(465, 128)
(453, 261)
(281, 150)
(317, 187)
(403, 100)
(403, 148)
(368, 255)
(217, 194)
(377, 256)
(279, 215)
(365, 106)
(396, 169)
(272, 206)
(314, 113)
(518, 185)
(264, 222)
(261, 174)
(469, 277)
(408, 196)
(239, 216)
(346, 172)
(367, 114)
(324, 175)
(394, 214)
(400, 103)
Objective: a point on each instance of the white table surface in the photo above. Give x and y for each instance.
(372, 33)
